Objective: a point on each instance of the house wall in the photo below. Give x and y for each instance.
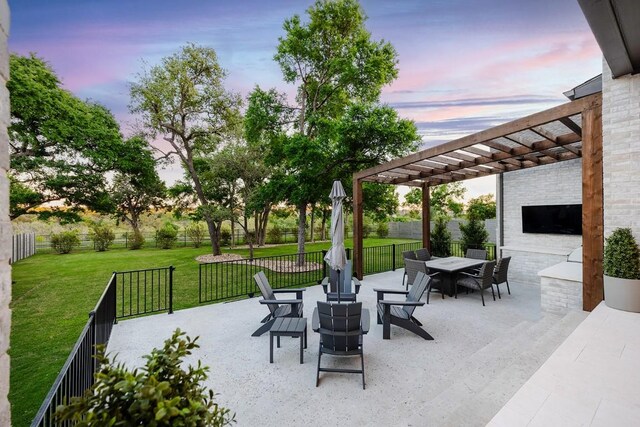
(5, 225)
(621, 151)
(553, 184)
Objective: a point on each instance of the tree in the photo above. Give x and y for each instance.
(444, 199)
(380, 201)
(441, 237)
(474, 235)
(334, 128)
(61, 147)
(136, 191)
(482, 207)
(184, 100)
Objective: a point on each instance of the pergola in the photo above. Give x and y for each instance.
(565, 132)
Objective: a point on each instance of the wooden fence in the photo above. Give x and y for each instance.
(24, 245)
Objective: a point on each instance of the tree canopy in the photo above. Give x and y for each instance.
(445, 199)
(482, 207)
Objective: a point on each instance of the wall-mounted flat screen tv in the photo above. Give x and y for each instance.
(552, 219)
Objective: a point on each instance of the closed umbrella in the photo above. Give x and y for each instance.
(337, 257)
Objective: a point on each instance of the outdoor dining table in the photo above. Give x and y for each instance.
(449, 268)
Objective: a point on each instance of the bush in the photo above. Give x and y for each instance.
(160, 394)
(137, 241)
(225, 237)
(366, 230)
(441, 237)
(167, 236)
(383, 230)
(274, 234)
(196, 232)
(621, 255)
(474, 235)
(102, 236)
(65, 241)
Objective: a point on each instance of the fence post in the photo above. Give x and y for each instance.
(171, 268)
(324, 264)
(348, 251)
(393, 257)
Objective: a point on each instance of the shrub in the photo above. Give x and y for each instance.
(102, 236)
(474, 235)
(196, 232)
(167, 236)
(275, 234)
(225, 237)
(137, 241)
(441, 237)
(621, 255)
(159, 394)
(383, 230)
(65, 241)
(366, 230)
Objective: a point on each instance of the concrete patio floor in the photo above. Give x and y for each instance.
(410, 381)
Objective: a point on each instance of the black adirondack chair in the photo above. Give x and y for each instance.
(480, 281)
(349, 285)
(277, 307)
(400, 313)
(341, 328)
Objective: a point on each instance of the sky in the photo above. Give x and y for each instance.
(464, 65)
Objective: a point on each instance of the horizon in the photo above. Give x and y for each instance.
(464, 65)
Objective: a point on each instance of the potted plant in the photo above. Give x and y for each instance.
(622, 271)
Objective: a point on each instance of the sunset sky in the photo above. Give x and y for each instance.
(465, 65)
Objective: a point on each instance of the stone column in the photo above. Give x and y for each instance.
(5, 224)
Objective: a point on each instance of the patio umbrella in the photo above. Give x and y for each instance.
(336, 257)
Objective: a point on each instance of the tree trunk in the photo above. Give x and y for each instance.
(302, 222)
(323, 231)
(233, 231)
(265, 222)
(313, 215)
(211, 226)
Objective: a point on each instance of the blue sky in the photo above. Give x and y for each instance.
(465, 65)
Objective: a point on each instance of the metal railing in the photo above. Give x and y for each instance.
(233, 279)
(77, 374)
(144, 291)
(456, 250)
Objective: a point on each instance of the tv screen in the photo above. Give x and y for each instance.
(552, 219)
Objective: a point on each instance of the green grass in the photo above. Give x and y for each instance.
(53, 294)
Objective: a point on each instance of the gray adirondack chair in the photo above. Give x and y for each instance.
(349, 285)
(277, 307)
(400, 313)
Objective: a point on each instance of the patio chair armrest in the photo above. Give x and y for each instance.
(298, 292)
(390, 291)
(405, 303)
(365, 322)
(281, 301)
(470, 275)
(315, 320)
(325, 284)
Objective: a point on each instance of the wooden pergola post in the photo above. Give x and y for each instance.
(592, 207)
(426, 217)
(358, 263)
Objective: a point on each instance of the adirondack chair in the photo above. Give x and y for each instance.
(480, 281)
(405, 256)
(277, 308)
(500, 274)
(400, 313)
(341, 328)
(349, 285)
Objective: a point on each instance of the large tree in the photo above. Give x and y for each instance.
(445, 199)
(482, 207)
(334, 127)
(61, 147)
(183, 99)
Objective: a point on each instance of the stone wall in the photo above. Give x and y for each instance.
(5, 225)
(621, 151)
(554, 184)
(413, 229)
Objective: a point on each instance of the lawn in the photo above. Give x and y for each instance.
(52, 295)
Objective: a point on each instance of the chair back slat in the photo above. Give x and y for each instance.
(417, 290)
(343, 277)
(412, 268)
(265, 289)
(409, 255)
(423, 254)
(476, 254)
(340, 325)
(500, 274)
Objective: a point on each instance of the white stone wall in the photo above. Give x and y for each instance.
(5, 225)
(560, 296)
(621, 151)
(554, 184)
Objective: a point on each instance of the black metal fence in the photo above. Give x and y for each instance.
(77, 374)
(144, 291)
(233, 279)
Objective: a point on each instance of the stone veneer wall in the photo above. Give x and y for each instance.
(621, 151)
(5, 225)
(554, 184)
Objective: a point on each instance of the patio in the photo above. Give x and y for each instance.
(479, 358)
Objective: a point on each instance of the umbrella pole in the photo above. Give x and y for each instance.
(338, 286)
